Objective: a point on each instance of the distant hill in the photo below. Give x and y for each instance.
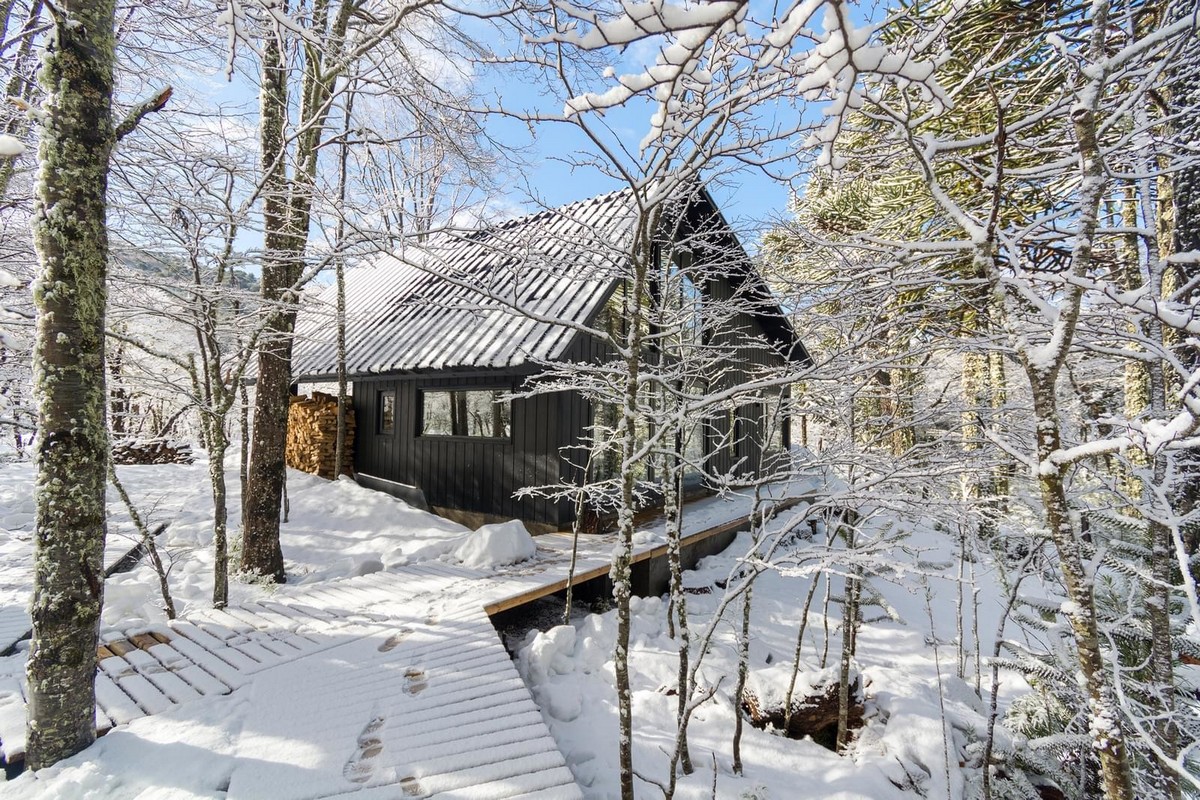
(171, 268)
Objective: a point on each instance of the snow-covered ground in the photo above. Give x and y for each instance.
(911, 686)
(333, 530)
(921, 720)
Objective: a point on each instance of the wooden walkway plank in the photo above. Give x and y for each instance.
(117, 704)
(435, 739)
(171, 685)
(220, 661)
(148, 697)
(517, 771)
(266, 619)
(437, 683)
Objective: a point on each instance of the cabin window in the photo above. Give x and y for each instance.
(679, 317)
(387, 412)
(481, 414)
(776, 422)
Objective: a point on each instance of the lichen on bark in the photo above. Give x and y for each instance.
(70, 234)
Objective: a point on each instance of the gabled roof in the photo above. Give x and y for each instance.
(452, 300)
(501, 297)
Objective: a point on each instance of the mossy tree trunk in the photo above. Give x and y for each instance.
(261, 553)
(71, 238)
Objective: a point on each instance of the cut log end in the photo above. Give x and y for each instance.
(312, 436)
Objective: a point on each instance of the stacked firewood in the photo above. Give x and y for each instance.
(312, 435)
(151, 451)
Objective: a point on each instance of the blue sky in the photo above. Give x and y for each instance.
(749, 198)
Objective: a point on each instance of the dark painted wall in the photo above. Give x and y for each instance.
(749, 355)
(471, 474)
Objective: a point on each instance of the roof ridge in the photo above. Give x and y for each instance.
(555, 210)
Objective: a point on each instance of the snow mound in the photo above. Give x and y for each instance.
(496, 546)
(10, 146)
(770, 684)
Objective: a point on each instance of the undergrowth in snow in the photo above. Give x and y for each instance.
(917, 712)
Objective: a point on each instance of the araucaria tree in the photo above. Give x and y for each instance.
(1033, 164)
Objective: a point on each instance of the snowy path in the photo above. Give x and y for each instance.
(392, 680)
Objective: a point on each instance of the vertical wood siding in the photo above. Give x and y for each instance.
(471, 474)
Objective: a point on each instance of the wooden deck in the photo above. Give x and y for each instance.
(394, 682)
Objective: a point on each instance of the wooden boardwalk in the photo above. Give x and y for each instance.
(393, 684)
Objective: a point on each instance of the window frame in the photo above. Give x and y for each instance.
(420, 432)
(381, 398)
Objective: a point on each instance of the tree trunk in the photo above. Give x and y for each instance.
(261, 553)
(216, 477)
(1108, 739)
(72, 449)
(673, 512)
(743, 671)
(1184, 103)
(845, 668)
(623, 552)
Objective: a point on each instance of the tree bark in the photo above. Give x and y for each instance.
(261, 553)
(623, 552)
(287, 205)
(1108, 739)
(1184, 105)
(71, 238)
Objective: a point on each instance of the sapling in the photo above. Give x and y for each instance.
(1021, 572)
(808, 597)
(937, 665)
(147, 541)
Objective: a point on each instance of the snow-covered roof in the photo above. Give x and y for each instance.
(497, 297)
(500, 297)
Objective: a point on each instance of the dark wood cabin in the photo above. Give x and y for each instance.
(439, 334)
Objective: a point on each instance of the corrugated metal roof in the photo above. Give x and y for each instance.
(499, 297)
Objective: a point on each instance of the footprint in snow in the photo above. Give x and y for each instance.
(361, 765)
(411, 787)
(415, 680)
(395, 639)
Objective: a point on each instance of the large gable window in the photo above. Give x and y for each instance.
(481, 414)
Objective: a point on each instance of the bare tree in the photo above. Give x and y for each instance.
(339, 39)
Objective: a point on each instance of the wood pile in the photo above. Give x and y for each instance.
(312, 435)
(151, 451)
